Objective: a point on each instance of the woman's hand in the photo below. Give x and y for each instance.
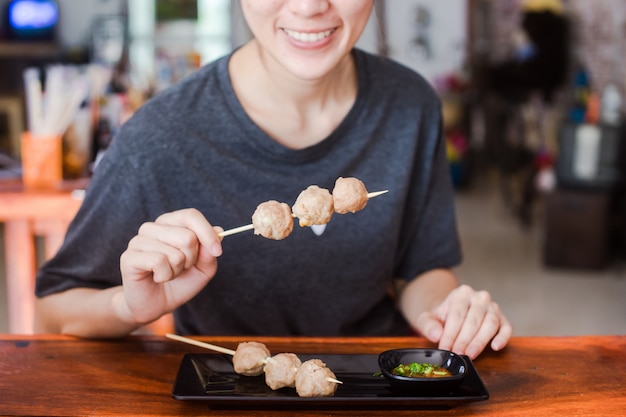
(457, 318)
(166, 264)
(466, 322)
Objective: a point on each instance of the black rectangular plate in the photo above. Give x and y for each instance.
(211, 378)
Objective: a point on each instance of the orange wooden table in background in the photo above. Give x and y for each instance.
(27, 214)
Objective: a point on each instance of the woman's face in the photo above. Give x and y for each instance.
(308, 38)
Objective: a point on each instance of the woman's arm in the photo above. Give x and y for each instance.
(85, 312)
(166, 264)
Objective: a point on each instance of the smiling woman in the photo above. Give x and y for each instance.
(297, 105)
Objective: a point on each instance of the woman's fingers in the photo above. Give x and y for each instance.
(164, 261)
(452, 313)
(471, 319)
(176, 242)
(474, 323)
(170, 245)
(484, 332)
(504, 334)
(194, 221)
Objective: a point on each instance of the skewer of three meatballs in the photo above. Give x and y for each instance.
(311, 378)
(314, 206)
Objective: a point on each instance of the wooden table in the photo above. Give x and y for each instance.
(26, 214)
(534, 376)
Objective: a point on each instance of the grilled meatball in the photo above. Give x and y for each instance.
(349, 195)
(312, 379)
(314, 206)
(250, 357)
(272, 220)
(281, 370)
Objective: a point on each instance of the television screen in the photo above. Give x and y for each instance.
(32, 19)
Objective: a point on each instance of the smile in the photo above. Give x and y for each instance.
(308, 37)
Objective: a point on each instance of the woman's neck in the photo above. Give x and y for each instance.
(294, 112)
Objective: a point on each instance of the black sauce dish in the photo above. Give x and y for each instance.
(456, 364)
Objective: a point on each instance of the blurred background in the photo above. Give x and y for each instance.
(533, 100)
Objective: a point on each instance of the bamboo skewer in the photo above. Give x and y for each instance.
(200, 344)
(251, 226)
(217, 348)
(376, 194)
(236, 230)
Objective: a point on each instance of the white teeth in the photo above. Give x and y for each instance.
(307, 37)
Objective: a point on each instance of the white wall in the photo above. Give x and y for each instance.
(447, 33)
(370, 38)
(78, 16)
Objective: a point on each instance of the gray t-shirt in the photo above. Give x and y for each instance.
(193, 145)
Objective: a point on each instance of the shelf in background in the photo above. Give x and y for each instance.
(29, 49)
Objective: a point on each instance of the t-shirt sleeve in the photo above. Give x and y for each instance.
(109, 217)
